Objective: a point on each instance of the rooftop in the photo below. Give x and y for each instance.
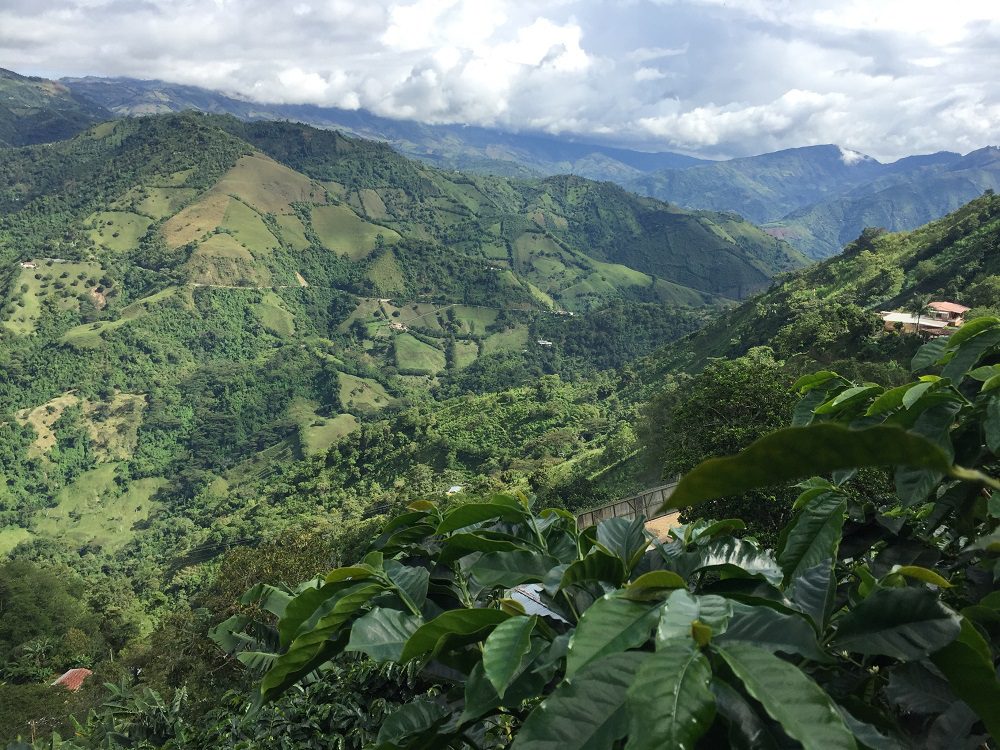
(73, 679)
(952, 307)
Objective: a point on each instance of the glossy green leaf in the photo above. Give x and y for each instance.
(748, 725)
(609, 626)
(463, 625)
(509, 569)
(929, 354)
(309, 648)
(653, 585)
(410, 719)
(796, 452)
(812, 592)
(813, 535)
(506, 650)
(891, 399)
(739, 557)
(971, 329)
(813, 380)
(803, 709)
(410, 583)
(382, 633)
(904, 623)
(918, 573)
(968, 354)
(773, 630)
(991, 425)
(307, 605)
(596, 566)
(586, 713)
(669, 703)
(848, 397)
(473, 513)
(967, 663)
(623, 538)
(914, 394)
(683, 609)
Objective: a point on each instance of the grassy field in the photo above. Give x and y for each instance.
(114, 426)
(11, 536)
(361, 393)
(22, 312)
(42, 418)
(319, 433)
(195, 221)
(466, 352)
(386, 274)
(474, 320)
(513, 339)
(248, 228)
(161, 202)
(274, 316)
(343, 231)
(118, 231)
(88, 335)
(292, 231)
(373, 204)
(221, 260)
(414, 354)
(268, 186)
(93, 510)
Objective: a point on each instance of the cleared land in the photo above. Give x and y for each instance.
(513, 339)
(413, 354)
(344, 232)
(60, 282)
(93, 510)
(118, 231)
(361, 393)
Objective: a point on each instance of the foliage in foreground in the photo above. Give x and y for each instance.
(873, 623)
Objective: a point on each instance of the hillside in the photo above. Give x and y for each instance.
(829, 310)
(193, 302)
(34, 110)
(466, 148)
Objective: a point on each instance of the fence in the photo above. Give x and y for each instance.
(647, 503)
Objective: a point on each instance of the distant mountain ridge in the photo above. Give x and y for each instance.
(817, 198)
(36, 110)
(468, 148)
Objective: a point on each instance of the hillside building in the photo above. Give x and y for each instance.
(938, 319)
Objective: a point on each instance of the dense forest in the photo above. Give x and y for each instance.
(293, 432)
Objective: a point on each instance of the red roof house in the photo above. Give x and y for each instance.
(73, 679)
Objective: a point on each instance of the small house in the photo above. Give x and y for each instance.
(543, 342)
(28, 264)
(951, 312)
(454, 490)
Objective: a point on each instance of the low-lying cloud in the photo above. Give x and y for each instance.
(712, 77)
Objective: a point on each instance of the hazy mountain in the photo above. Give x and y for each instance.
(35, 110)
(820, 198)
(468, 148)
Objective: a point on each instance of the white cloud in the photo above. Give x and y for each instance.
(720, 77)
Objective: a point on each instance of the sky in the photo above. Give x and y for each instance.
(716, 78)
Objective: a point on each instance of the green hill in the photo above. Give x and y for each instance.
(259, 291)
(35, 110)
(829, 309)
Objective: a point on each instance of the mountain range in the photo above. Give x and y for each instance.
(818, 198)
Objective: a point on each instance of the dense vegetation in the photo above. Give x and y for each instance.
(232, 355)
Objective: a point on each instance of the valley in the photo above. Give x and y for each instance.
(298, 427)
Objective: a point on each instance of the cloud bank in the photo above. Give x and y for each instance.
(710, 77)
